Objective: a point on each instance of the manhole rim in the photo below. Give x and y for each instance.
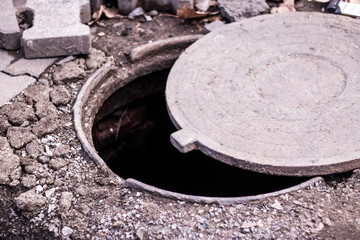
(86, 141)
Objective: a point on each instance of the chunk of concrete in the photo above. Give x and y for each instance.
(45, 126)
(235, 10)
(30, 201)
(57, 29)
(18, 113)
(19, 137)
(12, 86)
(5, 59)
(33, 67)
(9, 28)
(9, 162)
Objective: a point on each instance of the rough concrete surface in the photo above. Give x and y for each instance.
(9, 162)
(19, 113)
(56, 32)
(9, 29)
(235, 10)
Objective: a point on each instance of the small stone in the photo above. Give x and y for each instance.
(153, 13)
(57, 163)
(101, 34)
(44, 109)
(247, 225)
(34, 168)
(27, 161)
(49, 193)
(84, 209)
(95, 59)
(61, 150)
(327, 222)
(38, 92)
(141, 233)
(136, 12)
(43, 159)
(45, 126)
(39, 189)
(70, 71)
(34, 149)
(48, 152)
(66, 231)
(19, 136)
(28, 180)
(19, 112)
(277, 205)
(148, 18)
(65, 200)
(234, 10)
(30, 201)
(14, 183)
(60, 95)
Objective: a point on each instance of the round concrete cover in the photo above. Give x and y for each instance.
(277, 94)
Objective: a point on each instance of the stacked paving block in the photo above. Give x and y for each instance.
(57, 29)
(9, 28)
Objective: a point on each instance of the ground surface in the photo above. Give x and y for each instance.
(50, 190)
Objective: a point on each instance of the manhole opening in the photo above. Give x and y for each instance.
(131, 133)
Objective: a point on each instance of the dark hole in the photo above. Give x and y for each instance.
(131, 133)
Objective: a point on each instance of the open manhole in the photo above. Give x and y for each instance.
(283, 102)
(131, 133)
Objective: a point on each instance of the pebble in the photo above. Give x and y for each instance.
(276, 205)
(66, 231)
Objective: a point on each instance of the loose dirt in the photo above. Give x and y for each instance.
(52, 193)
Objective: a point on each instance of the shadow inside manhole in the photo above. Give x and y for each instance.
(131, 133)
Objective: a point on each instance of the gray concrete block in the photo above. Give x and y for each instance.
(235, 10)
(57, 29)
(5, 59)
(12, 86)
(33, 67)
(9, 28)
(85, 11)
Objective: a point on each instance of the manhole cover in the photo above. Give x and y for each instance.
(276, 94)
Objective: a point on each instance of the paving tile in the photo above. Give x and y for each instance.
(33, 67)
(11, 86)
(57, 29)
(9, 28)
(5, 59)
